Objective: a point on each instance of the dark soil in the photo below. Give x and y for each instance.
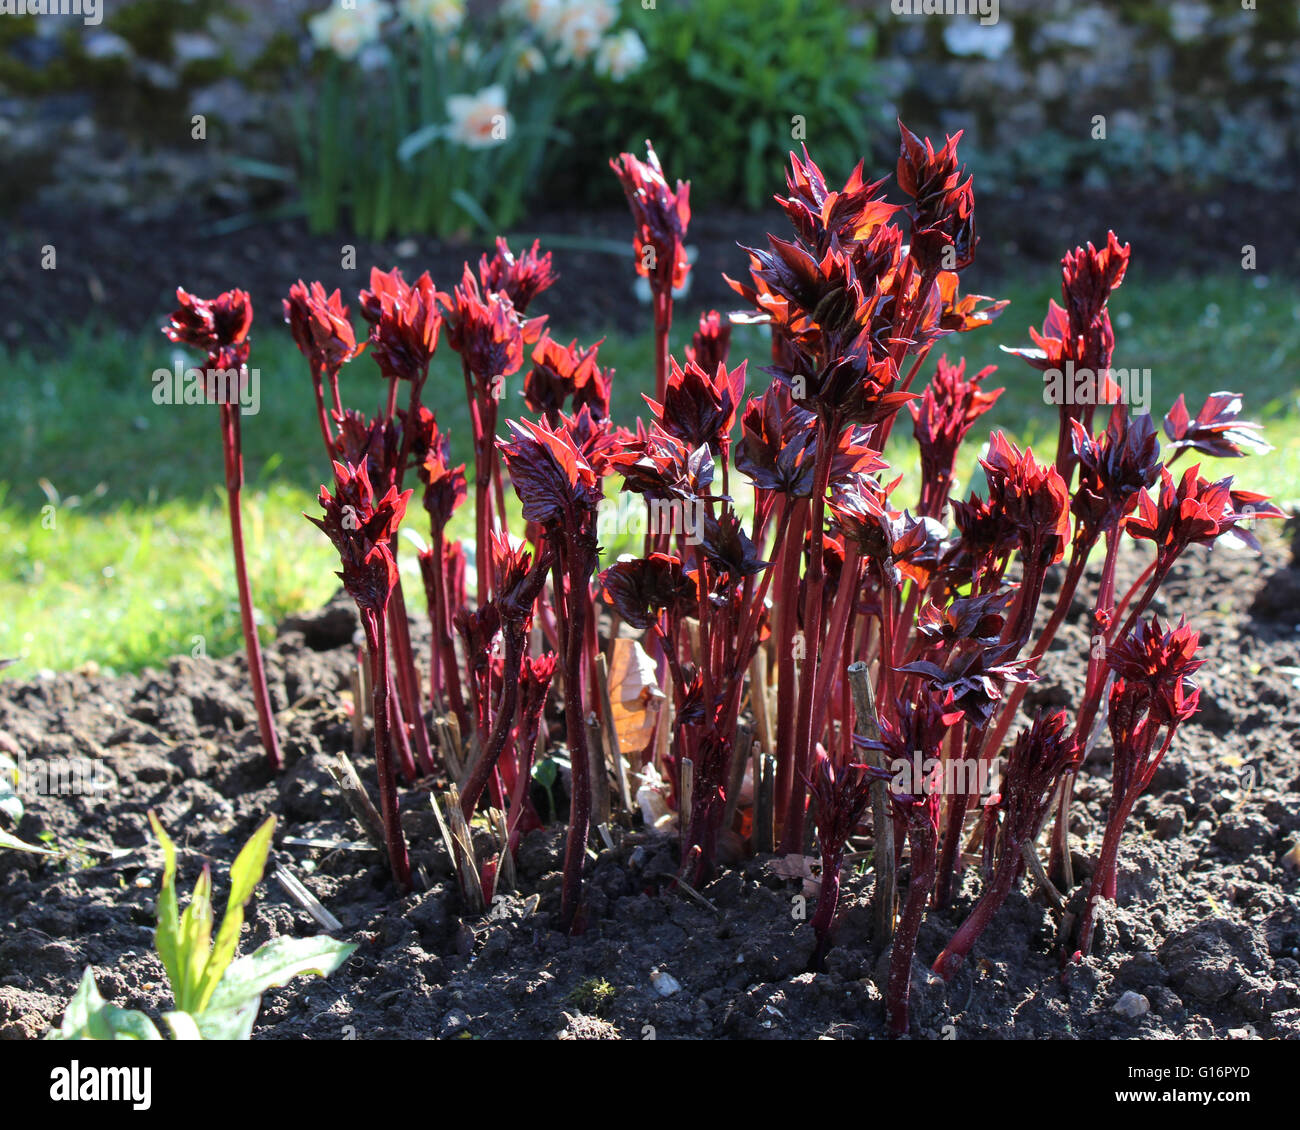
(1207, 929)
(122, 269)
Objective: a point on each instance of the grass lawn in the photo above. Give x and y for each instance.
(114, 542)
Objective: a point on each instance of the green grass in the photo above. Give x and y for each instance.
(114, 542)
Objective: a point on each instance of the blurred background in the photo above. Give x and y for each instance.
(223, 143)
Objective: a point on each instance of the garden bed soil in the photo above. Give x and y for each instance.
(1207, 930)
(122, 269)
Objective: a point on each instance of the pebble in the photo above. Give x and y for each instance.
(665, 984)
(1132, 1005)
(1291, 858)
(456, 1021)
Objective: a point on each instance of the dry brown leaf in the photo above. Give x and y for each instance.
(805, 867)
(634, 694)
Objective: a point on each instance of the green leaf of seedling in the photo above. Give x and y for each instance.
(195, 941)
(229, 1023)
(245, 874)
(182, 1025)
(88, 1017)
(233, 1008)
(13, 843)
(167, 936)
(278, 962)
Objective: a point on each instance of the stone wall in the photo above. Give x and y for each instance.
(102, 115)
(1194, 93)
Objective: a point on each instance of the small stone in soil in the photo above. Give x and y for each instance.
(1291, 858)
(1132, 1005)
(456, 1021)
(665, 984)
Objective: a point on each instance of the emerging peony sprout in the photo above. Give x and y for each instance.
(519, 582)
(362, 529)
(405, 322)
(485, 328)
(520, 278)
(444, 493)
(321, 330)
(1152, 695)
(711, 343)
(560, 492)
(662, 216)
(1078, 338)
(1041, 755)
(219, 327)
(842, 797)
(941, 419)
(566, 374)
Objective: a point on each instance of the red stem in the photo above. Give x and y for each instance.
(397, 731)
(334, 391)
(408, 683)
(1064, 449)
(845, 596)
(887, 633)
(1007, 715)
(505, 719)
(787, 612)
(663, 309)
(1106, 864)
(376, 637)
(903, 625)
(1128, 596)
(968, 933)
(256, 672)
(455, 694)
(482, 493)
(887, 427)
(1157, 579)
(958, 803)
(899, 986)
(321, 414)
(792, 839)
(1092, 696)
(827, 902)
(575, 848)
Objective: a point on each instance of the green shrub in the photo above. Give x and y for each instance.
(722, 94)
